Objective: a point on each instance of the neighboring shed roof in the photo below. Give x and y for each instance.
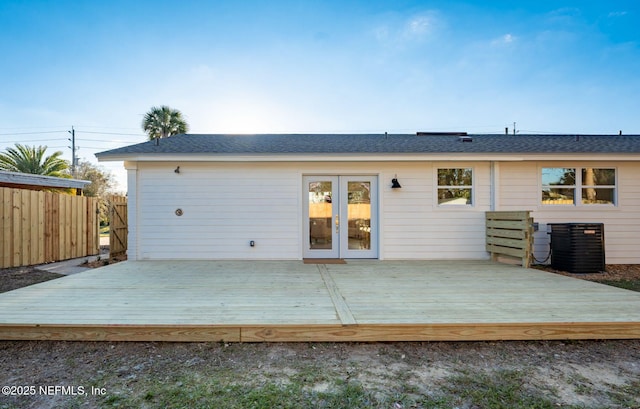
(27, 180)
(285, 144)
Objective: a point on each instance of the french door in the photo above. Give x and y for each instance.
(341, 217)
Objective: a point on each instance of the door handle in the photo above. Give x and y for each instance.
(337, 223)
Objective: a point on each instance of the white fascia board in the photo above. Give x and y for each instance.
(623, 157)
(408, 157)
(394, 157)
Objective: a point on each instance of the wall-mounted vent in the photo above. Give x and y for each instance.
(441, 133)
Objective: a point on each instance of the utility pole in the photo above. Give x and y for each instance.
(73, 151)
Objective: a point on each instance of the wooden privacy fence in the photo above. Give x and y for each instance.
(510, 234)
(40, 227)
(118, 226)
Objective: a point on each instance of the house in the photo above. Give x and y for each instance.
(418, 196)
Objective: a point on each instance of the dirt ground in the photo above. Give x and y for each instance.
(14, 278)
(589, 374)
(613, 272)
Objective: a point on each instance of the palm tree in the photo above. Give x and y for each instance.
(161, 122)
(31, 159)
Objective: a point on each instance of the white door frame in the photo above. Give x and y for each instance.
(338, 223)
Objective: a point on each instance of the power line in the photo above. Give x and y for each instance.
(32, 140)
(89, 132)
(106, 127)
(59, 139)
(34, 127)
(114, 133)
(104, 141)
(31, 133)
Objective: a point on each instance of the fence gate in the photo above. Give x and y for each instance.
(118, 226)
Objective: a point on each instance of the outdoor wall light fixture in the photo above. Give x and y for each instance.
(177, 169)
(394, 183)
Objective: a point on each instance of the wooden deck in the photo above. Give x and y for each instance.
(365, 300)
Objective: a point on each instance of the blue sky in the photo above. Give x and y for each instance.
(315, 66)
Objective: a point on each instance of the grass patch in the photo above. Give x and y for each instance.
(626, 396)
(494, 390)
(633, 285)
(497, 390)
(233, 389)
(218, 395)
(581, 384)
(211, 393)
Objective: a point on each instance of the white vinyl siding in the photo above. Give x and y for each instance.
(226, 205)
(416, 227)
(520, 186)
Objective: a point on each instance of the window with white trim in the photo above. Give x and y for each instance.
(455, 186)
(579, 186)
(598, 186)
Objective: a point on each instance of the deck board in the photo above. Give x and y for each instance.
(342, 308)
(363, 300)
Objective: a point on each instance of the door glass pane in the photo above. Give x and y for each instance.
(320, 211)
(359, 215)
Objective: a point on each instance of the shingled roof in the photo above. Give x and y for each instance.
(296, 144)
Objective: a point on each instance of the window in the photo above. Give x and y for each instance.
(455, 186)
(598, 186)
(558, 185)
(578, 186)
